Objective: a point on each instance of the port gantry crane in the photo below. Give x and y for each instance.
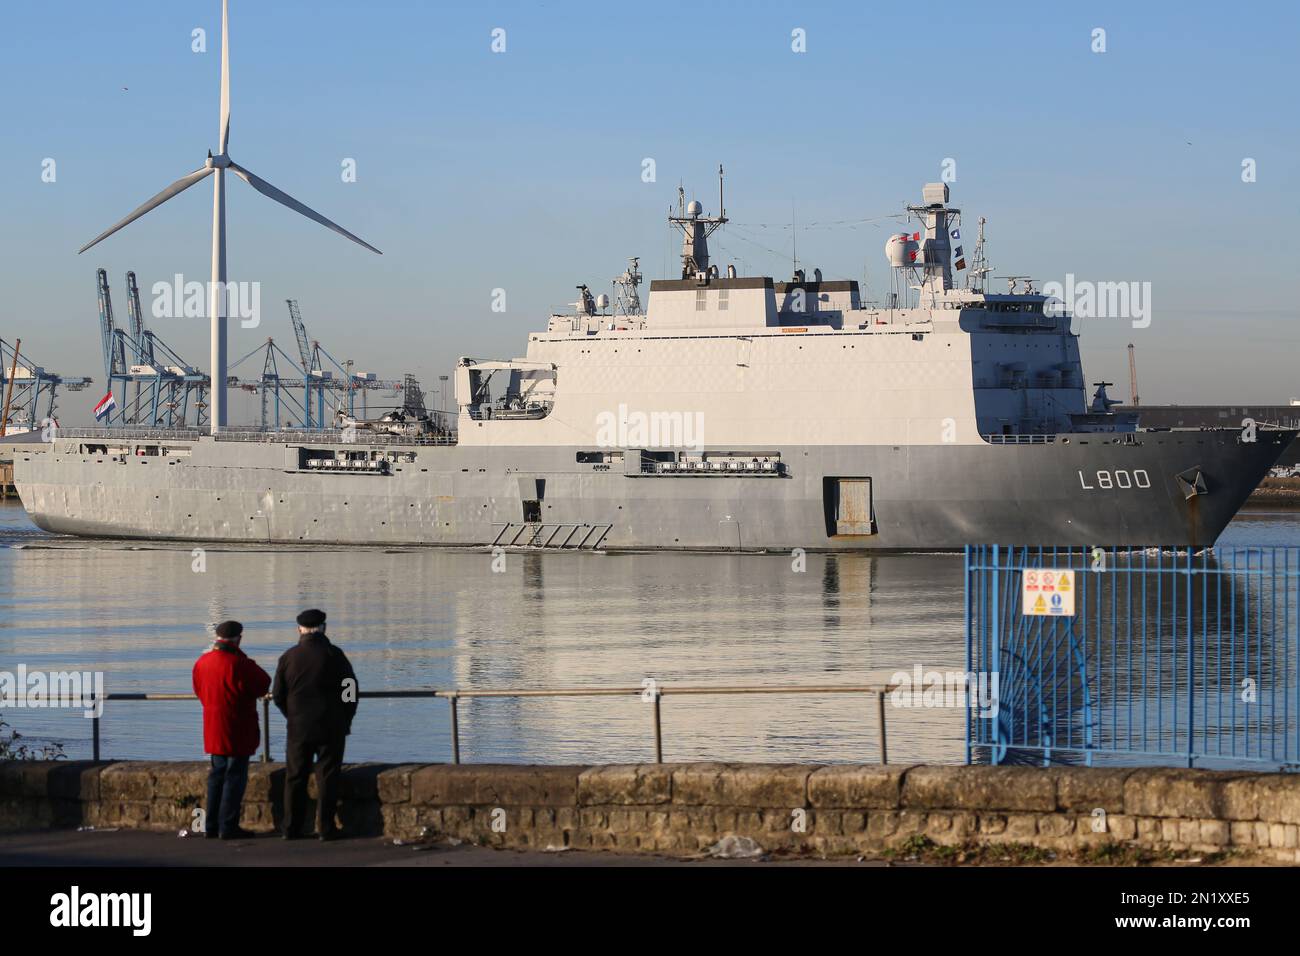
(156, 386)
(32, 390)
(280, 406)
(319, 369)
(299, 402)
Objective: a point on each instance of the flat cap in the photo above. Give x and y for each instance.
(229, 629)
(311, 618)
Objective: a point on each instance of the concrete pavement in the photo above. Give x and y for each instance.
(87, 848)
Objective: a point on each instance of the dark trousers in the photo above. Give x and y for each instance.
(227, 780)
(298, 756)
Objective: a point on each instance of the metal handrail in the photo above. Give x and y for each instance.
(361, 436)
(652, 694)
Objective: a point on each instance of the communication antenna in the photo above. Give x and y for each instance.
(980, 268)
(1132, 376)
(794, 236)
(627, 300)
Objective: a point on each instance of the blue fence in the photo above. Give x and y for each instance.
(1169, 655)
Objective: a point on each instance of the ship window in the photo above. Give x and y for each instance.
(701, 300)
(599, 457)
(722, 299)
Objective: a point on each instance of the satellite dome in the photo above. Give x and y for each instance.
(898, 249)
(693, 208)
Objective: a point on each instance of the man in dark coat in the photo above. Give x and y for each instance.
(228, 684)
(316, 690)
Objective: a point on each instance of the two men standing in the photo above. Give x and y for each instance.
(316, 690)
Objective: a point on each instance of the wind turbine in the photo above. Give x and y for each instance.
(218, 165)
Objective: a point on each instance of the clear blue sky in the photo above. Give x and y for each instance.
(522, 170)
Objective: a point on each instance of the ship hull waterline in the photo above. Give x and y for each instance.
(1081, 489)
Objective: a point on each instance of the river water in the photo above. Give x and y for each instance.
(436, 618)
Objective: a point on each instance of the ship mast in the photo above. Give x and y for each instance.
(980, 268)
(696, 229)
(936, 252)
(628, 299)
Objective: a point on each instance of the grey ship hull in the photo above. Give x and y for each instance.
(1070, 491)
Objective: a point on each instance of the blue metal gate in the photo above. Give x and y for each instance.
(1169, 655)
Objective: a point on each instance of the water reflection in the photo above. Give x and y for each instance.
(439, 619)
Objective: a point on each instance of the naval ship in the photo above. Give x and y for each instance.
(731, 413)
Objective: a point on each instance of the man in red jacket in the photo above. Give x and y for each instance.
(228, 684)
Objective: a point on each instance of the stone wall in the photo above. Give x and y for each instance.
(685, 808)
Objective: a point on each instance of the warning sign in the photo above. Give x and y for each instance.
(1047, 592)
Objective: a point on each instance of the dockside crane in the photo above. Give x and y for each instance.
(32, 389)
(277, 394)
(317, 378)
(319, 369)
(182, 386)
(135, 317)
(156, 385)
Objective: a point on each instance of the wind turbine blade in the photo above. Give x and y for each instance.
(179, 186)
(266, 189)
(224, 136)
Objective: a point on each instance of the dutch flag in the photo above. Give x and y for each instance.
(105, 407)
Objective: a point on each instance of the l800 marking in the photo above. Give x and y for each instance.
(1119, 478)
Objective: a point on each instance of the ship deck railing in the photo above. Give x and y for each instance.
(360, 436)
(1118, 435)
(649, 692)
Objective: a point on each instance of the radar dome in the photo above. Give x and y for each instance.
(898, 250)
(694, 208)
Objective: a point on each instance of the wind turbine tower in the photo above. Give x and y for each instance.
(216, 167)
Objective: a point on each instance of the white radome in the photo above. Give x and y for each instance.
(897, 249)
